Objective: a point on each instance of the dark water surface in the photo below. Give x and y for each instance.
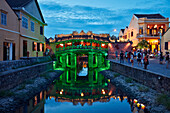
(85, 96)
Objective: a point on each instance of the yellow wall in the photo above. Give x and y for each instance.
(10, 32)
(33, 36)
(165, 38)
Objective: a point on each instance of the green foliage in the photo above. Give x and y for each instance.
(116, 75)
(143, 44)
(165, 100)
(128, 80)
(143, 89)
(6, 93)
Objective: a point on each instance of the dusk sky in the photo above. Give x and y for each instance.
(99, 16)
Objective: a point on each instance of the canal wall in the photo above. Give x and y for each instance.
(151, 79)
(16, 72)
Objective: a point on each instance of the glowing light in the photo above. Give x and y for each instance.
(155, 26)
(135, 101)
(138, 105)
(142, 106)
(103, 44)
(61, 92)
(102, 90)
(61, 44)
(109, 80)
(148, 26)
(162, 26)
(115, 30)
(69, 43)
(82, 94)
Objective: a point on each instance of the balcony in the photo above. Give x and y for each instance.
(148, 36)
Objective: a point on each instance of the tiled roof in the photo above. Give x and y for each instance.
(18, 3)
(21, 3)
(150, 16)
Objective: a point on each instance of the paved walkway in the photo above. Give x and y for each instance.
(153, 66)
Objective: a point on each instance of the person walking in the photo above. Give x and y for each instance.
(167, 59)
(131, 58)
(116, 53)
(139, 55)
(146, 61)
(126, 56)
(121, 57)
(161, 58)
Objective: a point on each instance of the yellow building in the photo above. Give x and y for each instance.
(147, 27)
(9, 33)
(22, 29)
(165, 42)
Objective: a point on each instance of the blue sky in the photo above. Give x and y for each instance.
(99, 16)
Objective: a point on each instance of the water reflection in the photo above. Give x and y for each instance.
(88, 94)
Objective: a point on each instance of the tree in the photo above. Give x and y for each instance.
(143, 44)
(113, 38)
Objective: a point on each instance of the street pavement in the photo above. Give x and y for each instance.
(153, 66)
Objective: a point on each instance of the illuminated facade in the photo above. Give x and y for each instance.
(165, 42)
(147, 27)
(71, 47)
(21, 29)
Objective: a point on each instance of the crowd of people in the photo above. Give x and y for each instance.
(142, 58)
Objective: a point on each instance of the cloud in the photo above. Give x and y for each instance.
(65, 16)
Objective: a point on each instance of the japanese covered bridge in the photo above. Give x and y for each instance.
(71, 48)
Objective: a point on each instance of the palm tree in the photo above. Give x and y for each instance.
(143, 44)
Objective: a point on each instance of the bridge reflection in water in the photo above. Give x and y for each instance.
(82, 95)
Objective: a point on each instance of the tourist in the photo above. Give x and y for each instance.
(146, 61)
(161, 58)
(131, 58)
(135, 54)
(167, 59)
(116, 53)
(121, 57)
(126, 56)
(139, 55)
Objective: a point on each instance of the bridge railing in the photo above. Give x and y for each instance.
(81, 47)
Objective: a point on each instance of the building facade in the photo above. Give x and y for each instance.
(9, 33)
(147, 27)
(165, 42)
(25, 20)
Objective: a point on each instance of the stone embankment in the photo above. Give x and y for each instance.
(18, 96)
(13, 73)
(137, 91)
(151, 79)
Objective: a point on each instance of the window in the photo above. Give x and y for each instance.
(41, 30)
(38, 46)
(132, 34)
(34, 46)
(154, 31)
(25, 22)
(43, 47)
(148, 31)
(141, 30)
(3, 19)
(32, 26)
(166, 45)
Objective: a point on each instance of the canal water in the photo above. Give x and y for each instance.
(83, 95)
(83, 90)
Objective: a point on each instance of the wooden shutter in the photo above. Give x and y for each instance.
(166, 45)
